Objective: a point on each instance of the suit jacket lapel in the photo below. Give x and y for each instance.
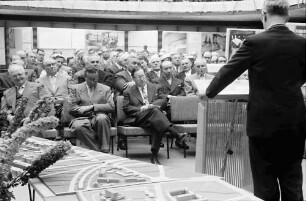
(150, 91)
(12, 97)
(59, 80)
(46, 81)
(137, 94)
(164, 82)
(96, 94)
(28, 90)
(174, 83)
(84, 93)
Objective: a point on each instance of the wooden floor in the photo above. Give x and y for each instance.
(139, 149)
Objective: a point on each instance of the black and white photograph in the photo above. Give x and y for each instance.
(152, 100)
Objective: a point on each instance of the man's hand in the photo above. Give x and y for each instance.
(128, 84)
(150, 106)
(83, 109)
(143, 108)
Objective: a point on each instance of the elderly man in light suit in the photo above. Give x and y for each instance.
(32, 91)
(92, 104)
(201, 74)
(56, 83)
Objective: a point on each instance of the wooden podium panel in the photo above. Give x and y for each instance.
(222, 129)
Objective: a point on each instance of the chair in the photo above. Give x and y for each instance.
(66, 119)
(125, 131)
(187, 112)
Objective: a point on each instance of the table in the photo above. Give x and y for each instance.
(86, 175)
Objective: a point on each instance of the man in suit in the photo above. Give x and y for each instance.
(105, 77)
(5, 82)
(143, 106)
(170, 85)
(187, 71)
(154, 63)
(276, 111)
(56, 83)
(123, 79)
(32, 91)
(201, 74)
(92, 104)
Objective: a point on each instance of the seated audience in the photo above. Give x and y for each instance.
(143, 106)
(201, 73)
(92, 105)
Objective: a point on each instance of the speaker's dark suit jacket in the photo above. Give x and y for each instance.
(275, 60)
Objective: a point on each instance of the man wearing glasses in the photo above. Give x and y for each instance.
(201, 74)
(143, 106)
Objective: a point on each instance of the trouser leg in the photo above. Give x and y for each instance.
(101, 124)
(82, 129)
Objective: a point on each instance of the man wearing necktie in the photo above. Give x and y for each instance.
(32, 91)
(276, 118)
(143, 106)
(56, 83)
(92, 105)
(201, 74)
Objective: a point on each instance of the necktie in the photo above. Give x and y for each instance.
(144, 96)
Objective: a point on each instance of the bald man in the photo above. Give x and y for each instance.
(201, 74)
(22, 88)
(170, 85)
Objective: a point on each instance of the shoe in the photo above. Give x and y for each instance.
(181, 144)
(182, 136)
(121, 144)
(59, 138)
(162, 145)
(106, 151)
(154, 160)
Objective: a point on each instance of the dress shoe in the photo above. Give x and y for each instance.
(162, 145)
(154, 160)
(181, 144)
(121, 145)
(182, 136)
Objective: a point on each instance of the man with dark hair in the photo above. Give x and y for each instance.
(276, 110)
(92, 104)
(143, 106)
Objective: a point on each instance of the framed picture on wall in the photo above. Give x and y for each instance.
(235, 38)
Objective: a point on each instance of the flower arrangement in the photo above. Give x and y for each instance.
(37, 121)
(52, 155)
(18, 115)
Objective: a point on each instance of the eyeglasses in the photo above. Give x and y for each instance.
(135, 63)
(95, 62)
(201, 66)
(207, 57)
(140, 76)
